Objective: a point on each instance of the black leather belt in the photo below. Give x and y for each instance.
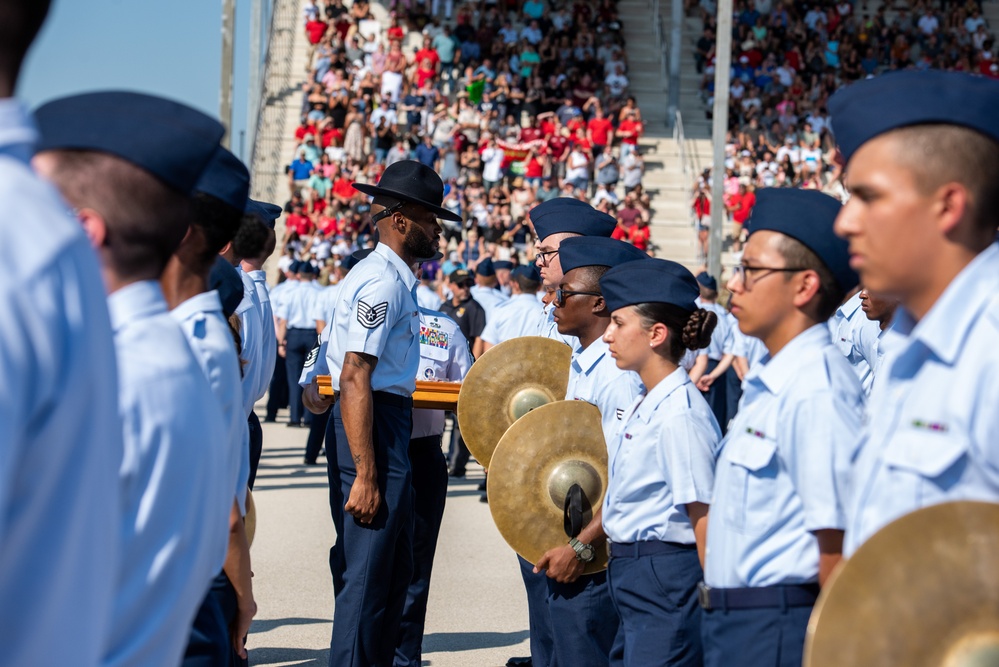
(768, 597)
(651, 548)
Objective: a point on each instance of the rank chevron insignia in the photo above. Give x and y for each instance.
(371, 316)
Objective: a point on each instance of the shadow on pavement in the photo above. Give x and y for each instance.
(273, 656)
(269, 624)
(469, 641)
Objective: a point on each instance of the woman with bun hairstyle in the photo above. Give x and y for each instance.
(661, 464)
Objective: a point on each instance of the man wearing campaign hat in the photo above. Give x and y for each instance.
(778, 507)
(922, 164)
(61, 453)
(128, 163)
(519, 315)
(217, 208)
(582, 615)
(373, 357)
(487, 289)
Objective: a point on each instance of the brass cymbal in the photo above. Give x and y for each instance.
(922, 592)
(250, 519)
(506, 383)
(537, 460)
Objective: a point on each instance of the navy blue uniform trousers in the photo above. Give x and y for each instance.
(371, 564)
(256, 445)
(209, 644)
(299, 343)
(277, 394)
(656, 600)
(716, 397)
(317, 435)
(584, 622)
(429, 497)
(772, 637)
(538, 619)
(733, 392)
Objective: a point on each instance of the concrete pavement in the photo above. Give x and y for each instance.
(477, 616)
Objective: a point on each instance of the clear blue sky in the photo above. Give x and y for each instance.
(169, 48)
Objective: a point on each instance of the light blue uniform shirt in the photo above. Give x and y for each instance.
(251, 332)
(842, 325)
(268, 334)
(748, 347)
(207, 331)
(515, 318)
(662, 459)
(444, 355)
(784, 467)
(324, 303)
(376, 314)
(595, 378)
(546, 327)
(297, 308)
(933, 428)
(174, 481)
(60, 434)
(721, 342)
(490, 298)
(280, 291)
(867, 341)
(427, 298)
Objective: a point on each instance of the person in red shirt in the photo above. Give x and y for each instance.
(304, 129)
(629, 131)
(343, 192)
(298, 222)
(702, 214)
(546, 123)
(328, 224)
(640, 235)
(558, 151)
(315, 30)
(599, 130)
(428, 52)
(740, 206)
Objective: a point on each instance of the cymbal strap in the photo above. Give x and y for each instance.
(572, 519)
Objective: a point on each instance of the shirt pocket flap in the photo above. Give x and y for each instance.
(751, 452)
(927, 453)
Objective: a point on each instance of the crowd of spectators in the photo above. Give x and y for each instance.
(788, 57)
(512, 102)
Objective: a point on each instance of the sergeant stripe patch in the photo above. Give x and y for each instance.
(371, 316)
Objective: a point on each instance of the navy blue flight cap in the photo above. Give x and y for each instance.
(564, 215)
(307, 268)
(295, 267)
(225, 279)
(649, 281)
(226, 178)
(529, 271)
(869, 108)
(502, 264)
(708, 280)
(171, 141)
(580, 251)
(485, 268)
(808, 217)
(351, 261)
(266, 213)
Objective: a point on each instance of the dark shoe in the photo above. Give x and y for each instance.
(313, 462)
(454, 472)
(481, 486)
(518, 662)
(270, 420)
(293, 425)
(485, 499)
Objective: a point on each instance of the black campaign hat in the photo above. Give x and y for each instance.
(411, 181)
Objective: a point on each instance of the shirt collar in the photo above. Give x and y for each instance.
(206, 302)
(586, 360)
(945, 327)
(660, 393)
(408, 278)
(776, 372)
(259, 276)
(137, 301)
(18, 135)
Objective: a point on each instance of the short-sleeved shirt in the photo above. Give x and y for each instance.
(207, 331)
(841, 326)
(298, 307)
(595, 378)
(513, 319)
(868, 338)
(748, 347)
(324, 303)
(444, 356)
(489, 298)
(251, 332)
(721, 337)
(427, 298)
(268, 335)
(60, 433)
(174, 479)
(376, 314)
(933, 426)
(469, 315)
(784, 468)
(661, 460)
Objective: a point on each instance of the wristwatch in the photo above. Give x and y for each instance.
(584, 552)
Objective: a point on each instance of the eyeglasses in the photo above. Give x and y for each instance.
(545, 256)
(562, 294)
(743, 273)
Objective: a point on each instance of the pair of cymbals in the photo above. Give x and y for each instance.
(922, 592)
(534, 465)
(506, 383)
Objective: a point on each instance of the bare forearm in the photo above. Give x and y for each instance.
(357, 409)
(594, 533)
(237, 558)
(698, 514)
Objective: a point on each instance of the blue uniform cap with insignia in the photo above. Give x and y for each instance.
(806, 216)
(596, 251)
(485, 268)
(266, 213)
(649, 281)
(563, 215)
(869, 108)
(226, 178)
(529, 271)
(225, 279)
(502, 265)
(171, 141)
(707, 280)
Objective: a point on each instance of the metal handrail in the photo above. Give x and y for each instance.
(660, 40)
(685, 157)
